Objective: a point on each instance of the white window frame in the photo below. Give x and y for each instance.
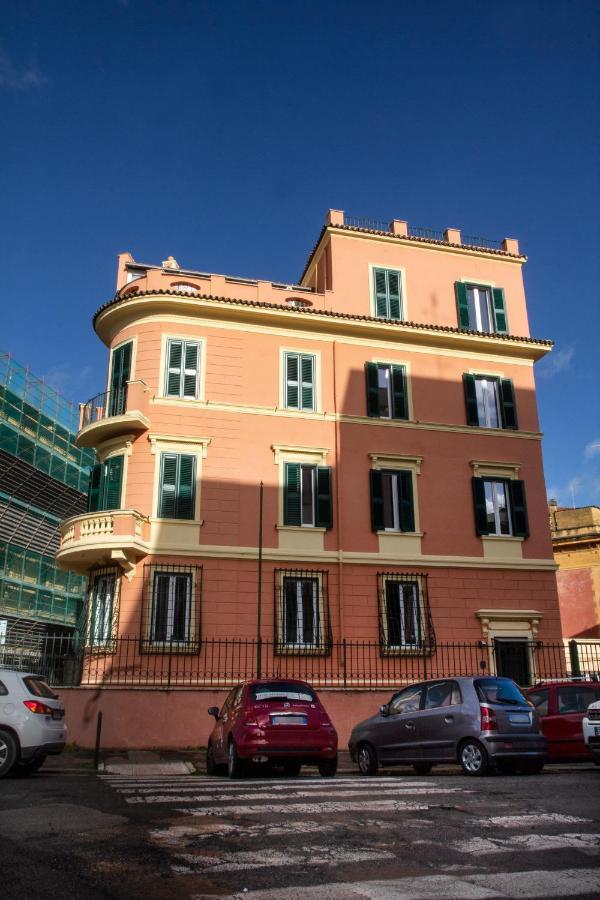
(403, 294)
(479, 290)
(393, 480)
(313, 486)
(198, 371)
(402, 585)
(284, 352)
(495, 484)
(172, 576)
(487, 382)
(316, 617)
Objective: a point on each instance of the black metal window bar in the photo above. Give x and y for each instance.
(102, 406)
(405, 622)
(171, 609)
(302, 622)
(102, 618)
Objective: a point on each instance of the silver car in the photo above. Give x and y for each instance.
(32, 722)
(479, 722)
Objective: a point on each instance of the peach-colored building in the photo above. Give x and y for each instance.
(387, 403)
(576, 541)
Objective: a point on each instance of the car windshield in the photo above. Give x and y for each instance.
(499, 690)
(262, 693)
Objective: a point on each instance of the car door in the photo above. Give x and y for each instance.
(544, 701)
(572, 702)
(221, 729)
(441, 721)
(397, 732)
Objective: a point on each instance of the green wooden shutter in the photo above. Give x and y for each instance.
(168, 486)
(292, 376)
(291, 501)
(174, 369)
(405, 501)
(372, 383)
(376, 500)
(381, 296)
(499, 306)
(462, 304)
(518, 509)
(307, 369)
(94, 488)
(470, 399)
(121, 370)
(113, 476)
(184, 505)
(507, 403)
(324, 505)
(481, 523)
(399, 393)
(394, 292)
(190, 372)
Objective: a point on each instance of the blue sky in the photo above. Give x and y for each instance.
(222, 132)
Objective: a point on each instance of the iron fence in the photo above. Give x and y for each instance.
(110, 403)
(221, 662)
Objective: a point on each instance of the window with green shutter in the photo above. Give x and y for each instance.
(490, 401)
(387, 394)
(177, 490)
(307, 497)
(392, 500)
(105, 485)
(300, 381)
(182, 375)
(119, 377)
(481, 308)
(500, 507)
(387, 291)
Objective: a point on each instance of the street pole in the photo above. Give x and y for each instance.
(259, 605)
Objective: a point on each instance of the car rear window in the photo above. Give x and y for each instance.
(3, 689)
(499, 690)
(38, 688)
(540, 701)
(576, 699)
(261, 693)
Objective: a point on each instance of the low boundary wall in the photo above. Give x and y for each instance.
(142, 719)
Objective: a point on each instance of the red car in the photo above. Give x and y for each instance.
(561, 706)
(274, 722)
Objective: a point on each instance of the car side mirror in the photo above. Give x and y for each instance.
(214, 711)
(384, 710)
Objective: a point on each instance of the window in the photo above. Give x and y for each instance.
(500, 507)
(177, 490)
(105, 485)
(132, 274)
(183, 369)
(171, 608)
(387, 396)
(540, 701)
(444, 693)
(302, 615)
(299, 381)
(392, 500)
(308, 495)
(576, 699)
(119, 376)
(407, 701)
(490, 401)
(404, 616)
(102, 607)
(481, 308)
(387, 289)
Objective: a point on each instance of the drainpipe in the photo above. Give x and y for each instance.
(338, 494)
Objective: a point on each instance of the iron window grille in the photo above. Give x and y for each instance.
(102, 619)
(405, 622)
(302, 622)
(171, 609)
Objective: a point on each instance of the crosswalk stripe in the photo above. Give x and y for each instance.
(304, 808)
(241, 795)
(529, 820)
(314, 787)
(245, 860)
(586, 843)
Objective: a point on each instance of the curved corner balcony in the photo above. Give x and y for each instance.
(112, 414)
(109, 538)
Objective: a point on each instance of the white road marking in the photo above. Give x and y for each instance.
(586, 843)
(528, 821)
(491, 885)
(304, 808)
(228, 798)
(281, 783)
(245, 860)
(318, 787)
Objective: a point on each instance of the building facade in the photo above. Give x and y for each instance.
(44, 477)
(387, 404)
(576, 542)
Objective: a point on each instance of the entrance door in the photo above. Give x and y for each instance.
(512, 660)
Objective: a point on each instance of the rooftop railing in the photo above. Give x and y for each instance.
(427, 234)
(103, 406)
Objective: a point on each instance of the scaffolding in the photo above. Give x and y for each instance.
(44, 478)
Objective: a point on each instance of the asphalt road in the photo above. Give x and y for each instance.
(69, 833)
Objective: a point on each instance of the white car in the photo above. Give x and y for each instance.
(32, 722)
(591, 730)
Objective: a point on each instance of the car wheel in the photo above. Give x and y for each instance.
(28, 766)
(367, 760)
(532, 766)
(422, 768)
(473, 758)
(328, 767)
(235, 766)
(8, 752)
(292, 769)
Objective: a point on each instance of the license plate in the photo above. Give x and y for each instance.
(57, 714)
(288, 720)
(597, 730)
(519, 718)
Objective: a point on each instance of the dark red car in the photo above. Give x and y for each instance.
(274, 722)
(561, 707)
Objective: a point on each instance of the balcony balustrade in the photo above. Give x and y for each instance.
(113, 413)
(112, 537)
